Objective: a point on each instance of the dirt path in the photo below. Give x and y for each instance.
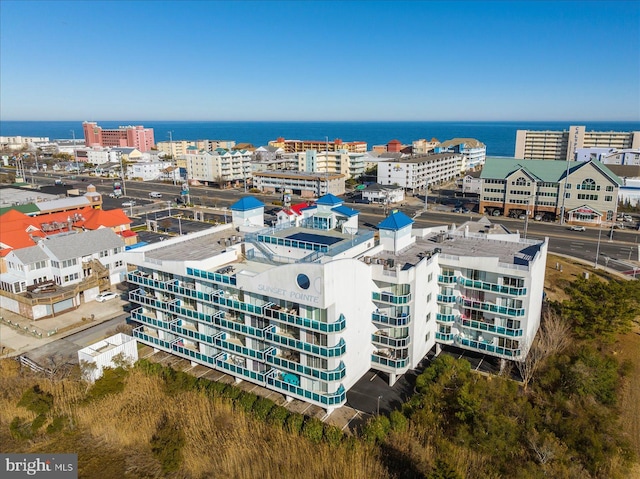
(628, 348)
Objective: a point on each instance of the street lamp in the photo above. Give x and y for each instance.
(378, 406)
(598, 248)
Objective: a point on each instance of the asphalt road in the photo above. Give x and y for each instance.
(613, 249)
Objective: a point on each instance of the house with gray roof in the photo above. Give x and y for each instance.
(576, 192)
(61, 272)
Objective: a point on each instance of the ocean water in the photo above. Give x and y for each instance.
(500, 137)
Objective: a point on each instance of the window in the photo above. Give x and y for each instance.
(117, 264)
(429, 298)
(583, 196)
(609, 188)
(104, 253)
(609, 215)
(428, 317)
(588, 184)
(608, 198)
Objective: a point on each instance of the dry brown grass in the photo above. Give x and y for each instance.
(628, 349)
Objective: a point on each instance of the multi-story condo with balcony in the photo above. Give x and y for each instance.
(351, 165)
(307, 185)
(418, 172)
(581, 192)
(296, 146)
(176, 148)
(307, 308)
(610, 156)
(563, 145)
(226, 167)
(128, 136)
(473, 152)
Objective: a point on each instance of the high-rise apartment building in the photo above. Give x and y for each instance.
(306, 309)
(137, 137)
(562, 145)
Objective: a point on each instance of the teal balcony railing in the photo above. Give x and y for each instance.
(492, 287)
(481, 326)
(447, 298)
(213, 277)
(190, 333)
(234, 348)
(386, 297)
(383, 340)
(296, 344)
(151, 340)
(483, 346)
(139, 316)
(402, 320)
(287, 365)
(448, 337)
(287, 317)
(447, 279)
(191, 354)
(493, 308)
(446, 318)
(328, 399)
(389, 362)
(239, 370)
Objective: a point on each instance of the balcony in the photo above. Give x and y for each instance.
(447, 318)
(447, 298)
(482, 326)
(151, 338)
(317, 350)
(214, 277)
(390, 362)
(493, 308)
(223, 362)
(381, 318)
(391, 298)
(445, 337)
(295, 367)
(382, 338)
(290, 316)
(447, 279)
(483, 346)
(492, 287)
(326, 399)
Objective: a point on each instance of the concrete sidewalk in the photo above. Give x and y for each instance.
(22, 334)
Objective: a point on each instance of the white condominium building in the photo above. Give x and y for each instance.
(417, 172)
(307, 308)
(219, 165)
(179, 147)
(563, 145)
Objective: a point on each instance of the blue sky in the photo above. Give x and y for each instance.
(358, 60)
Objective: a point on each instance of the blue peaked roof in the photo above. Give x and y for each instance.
(345, 211)
(329, 200)
(247, 203)
(395, 221)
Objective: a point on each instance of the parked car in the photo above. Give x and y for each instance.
(128, 203)
(538, 217)
(496, 213)
(106, 296)
(522, 217)
(578, 228)
(155, 194)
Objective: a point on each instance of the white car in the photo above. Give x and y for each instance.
(578, 228)
(106, 296)
(129, 203)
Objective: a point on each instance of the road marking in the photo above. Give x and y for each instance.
(373, 377)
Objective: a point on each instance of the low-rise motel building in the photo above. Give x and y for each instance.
(576, 192)
(306, 308)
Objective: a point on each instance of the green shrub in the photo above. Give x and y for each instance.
(166, 444)
(399, 421)
(278, 415)
(232, 392)
(20, 429)
(36, 400)
(56, 425)
(333, 435)
(377, 429)
(38, 422)
(111, 382)
(262, 407)
(313, 429)
(246, 400)
(294, 423)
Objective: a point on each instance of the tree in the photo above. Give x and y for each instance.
(599, 309)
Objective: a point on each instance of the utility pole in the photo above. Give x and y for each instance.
(564, 194)
(595, 265)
